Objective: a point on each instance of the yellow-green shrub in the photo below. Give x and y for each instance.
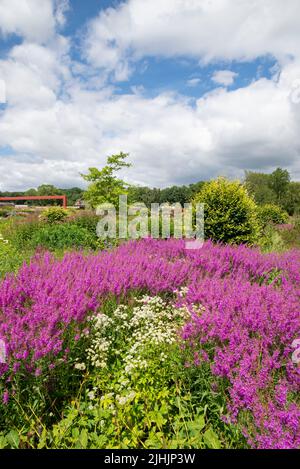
(230, 213)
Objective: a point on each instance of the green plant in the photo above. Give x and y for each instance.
(5, 211)
(63, 236)
(105, 186)
(10, 258)
(230, 213)
(271, 213)
(54, 215)
(271, 241)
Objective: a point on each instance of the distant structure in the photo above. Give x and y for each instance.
(80, 204)
(37, 197)
(7, 204)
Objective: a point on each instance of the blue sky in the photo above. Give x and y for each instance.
(190, 90)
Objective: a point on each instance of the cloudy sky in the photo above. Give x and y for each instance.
(190, 88)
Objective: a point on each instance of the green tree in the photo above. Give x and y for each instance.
(279, 183)
(291, 199)
(258, 185)
(105, 186)
(229, 212)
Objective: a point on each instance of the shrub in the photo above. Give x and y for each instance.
(230, 213)
(6, 211)
(63, 236)
(20, 233)
(271, 240)
(271, 213)
(10, 258)
(54, 215)
(86, 221)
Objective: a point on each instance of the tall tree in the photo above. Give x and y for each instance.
(279, 183)
(258, 185)
(105, 186)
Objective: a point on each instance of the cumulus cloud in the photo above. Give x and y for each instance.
(224, 77)
(58, 124)
(34, 20)
(207, 30)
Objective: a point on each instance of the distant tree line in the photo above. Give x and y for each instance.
(275, 188)
(72, 194)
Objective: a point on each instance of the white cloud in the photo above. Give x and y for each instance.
(58, 125)
(193, 82)
(34, 20)
(204, 29)
(2, 92)
(169, 140)
(224, 77)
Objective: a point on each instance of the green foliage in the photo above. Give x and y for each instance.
(126, 384)
(270, 240)
(258, 185)
(54, 215)
(291, 199)
(10, 258)
(87, 221)
(174, 194)
(105, 186)
(64, 236)
(279, 182)
(5, 211)
(275, 188)
(230, 213)
(129, 400)
(271, 213)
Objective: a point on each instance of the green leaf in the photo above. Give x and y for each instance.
(13, 439)
(211, 439)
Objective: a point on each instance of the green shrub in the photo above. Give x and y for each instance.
(230, 213)
(271, 240)
(87, 221)
(271, 213)
(64, 236)
(54, 215)
(10, 258)
(20, 233)
(6, 211)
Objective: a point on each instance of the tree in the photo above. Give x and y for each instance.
(279, 183)
(105, 186)
(258, 185)
(291, 199)
(229, 212)
(48, 189)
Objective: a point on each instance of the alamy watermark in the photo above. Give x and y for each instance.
(136, 221)
(296, 353)
(2, 351)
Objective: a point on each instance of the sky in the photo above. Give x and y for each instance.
(191, 89)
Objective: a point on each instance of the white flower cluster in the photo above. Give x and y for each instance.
(136, 335)
(97, 353)
(153, 324)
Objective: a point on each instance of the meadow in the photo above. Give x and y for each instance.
(145, 344)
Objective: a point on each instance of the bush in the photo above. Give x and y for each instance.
(63, 236)
(10, 258)
(54, 215)
(271, 240)
(230, 213)
(271, 213)
(6, 211)
(87, 221)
